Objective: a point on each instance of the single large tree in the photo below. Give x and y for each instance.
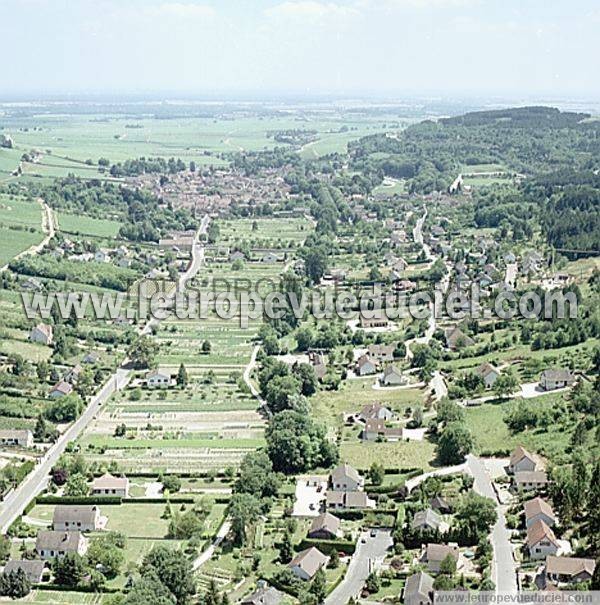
(454, 443)
(173, 569)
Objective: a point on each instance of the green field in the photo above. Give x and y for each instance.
(491, 434)
(14, 242)
(84, 225)
(20, 226)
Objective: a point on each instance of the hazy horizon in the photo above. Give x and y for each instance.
(301, 48)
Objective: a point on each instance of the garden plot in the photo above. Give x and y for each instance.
(265, 232)
(156, 458)
(230, 345)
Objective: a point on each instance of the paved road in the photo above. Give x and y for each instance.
(37, 480)
(368, 556)
(504, 569)
(440, 472)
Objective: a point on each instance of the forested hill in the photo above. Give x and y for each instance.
(520, 117)
(530, 140)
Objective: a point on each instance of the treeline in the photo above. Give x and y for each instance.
(137, 166)
(144, 216)
(97, 274)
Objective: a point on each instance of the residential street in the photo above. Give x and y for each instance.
(368, 556)
(504, 569)
(36, 481)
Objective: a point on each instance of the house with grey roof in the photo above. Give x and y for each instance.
(325, 527)
(345, 478)
(16, 437)
(341, 500)
(51, 544)
(33, 569)
(434, 554)
(263, 595)
(418, 589)
(69, 517)
(553, 379)
(426, 520)
(530, 480)
(457, 339)
(307, 563)
(392, 376)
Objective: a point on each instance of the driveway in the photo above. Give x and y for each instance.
(309, 498)
(369, 555)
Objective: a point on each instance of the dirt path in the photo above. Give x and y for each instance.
(48, 227)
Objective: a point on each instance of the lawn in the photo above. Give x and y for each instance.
(491, 434)
(329, 406)
(77, 224)
(136, 520)
(401, 454)
(15, 241)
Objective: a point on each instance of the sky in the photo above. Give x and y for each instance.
(366, 48)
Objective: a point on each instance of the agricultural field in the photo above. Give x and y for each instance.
(75, 139)
(73, 224)
(20, 226)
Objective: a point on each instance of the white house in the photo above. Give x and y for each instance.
(392, 376)
(16, 437)
(51, 544)
(270, 258)
(556, 379)
(375, 411)
(365, 366)
(541, 541)
(109, 485)
(345, 478)
(488, 373)
(521, 460)
(530, 480)
(102, 255)
(41, 333)
(157, 379)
